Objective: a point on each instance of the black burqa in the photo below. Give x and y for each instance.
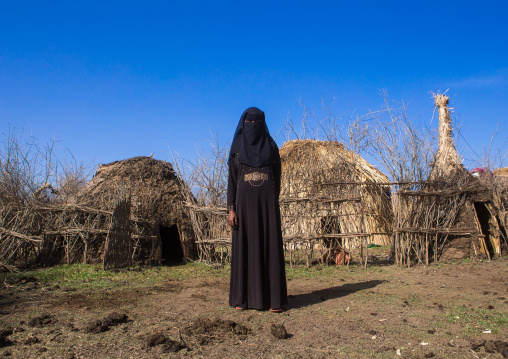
(258, 278)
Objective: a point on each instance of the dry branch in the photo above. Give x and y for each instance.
(35, 239)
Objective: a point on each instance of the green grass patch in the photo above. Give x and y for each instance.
(92, 275)
(475, 321)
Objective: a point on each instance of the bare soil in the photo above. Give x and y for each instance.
(446, 310)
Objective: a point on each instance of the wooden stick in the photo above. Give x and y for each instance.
(433, 231)
(35, 239)
(426, 249)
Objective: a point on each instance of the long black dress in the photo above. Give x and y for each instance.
(258, 278)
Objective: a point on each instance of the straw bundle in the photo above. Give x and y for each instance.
(447, 162)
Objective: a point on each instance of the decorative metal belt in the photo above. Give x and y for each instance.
(255, 177)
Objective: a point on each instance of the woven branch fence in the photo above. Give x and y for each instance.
(50, 234)
(428, 220)
(451, 219)
(425, 221)
(311, 228)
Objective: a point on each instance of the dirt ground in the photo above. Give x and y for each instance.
(446, 310)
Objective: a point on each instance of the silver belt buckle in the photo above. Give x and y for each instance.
(255, 176)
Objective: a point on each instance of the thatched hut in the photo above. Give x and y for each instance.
(156, 195)
(479, 215)
(453, 214)
(330, 194)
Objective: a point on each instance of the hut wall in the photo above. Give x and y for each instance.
(442, 220)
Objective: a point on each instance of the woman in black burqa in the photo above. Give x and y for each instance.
(258, 278)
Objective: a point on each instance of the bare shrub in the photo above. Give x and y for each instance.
(32, 182)
(324, 124)
(401, 146)
(71, 177)
(24, 167)
(207, 175)
(30, 171)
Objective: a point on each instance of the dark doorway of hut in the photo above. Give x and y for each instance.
(484, 223)
(171, 248)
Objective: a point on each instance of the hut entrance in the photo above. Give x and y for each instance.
(484, 220)
(171, 251)
(330, 225)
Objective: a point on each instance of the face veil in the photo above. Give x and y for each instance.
(252, 141)
(258, 279)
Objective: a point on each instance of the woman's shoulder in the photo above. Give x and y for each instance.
(273, 145)
(233, 157)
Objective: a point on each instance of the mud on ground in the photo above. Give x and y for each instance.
(446, 310)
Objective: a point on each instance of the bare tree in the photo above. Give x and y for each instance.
(70, 177)
(403, 146)
(207, 175)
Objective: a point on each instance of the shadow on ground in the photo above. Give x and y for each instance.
(319, 296)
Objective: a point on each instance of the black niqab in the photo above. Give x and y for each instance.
(252, 140)
(258, 277)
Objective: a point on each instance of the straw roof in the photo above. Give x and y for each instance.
(329, 154)
(501, 171)
(154, 188)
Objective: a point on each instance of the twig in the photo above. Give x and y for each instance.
(180, 337)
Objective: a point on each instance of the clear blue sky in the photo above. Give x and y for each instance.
(115, 79)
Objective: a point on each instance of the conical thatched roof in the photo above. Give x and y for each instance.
(329, 154)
